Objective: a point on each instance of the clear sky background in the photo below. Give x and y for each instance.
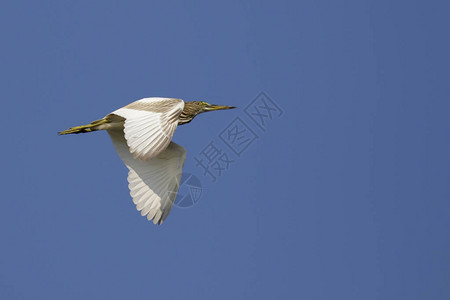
(345, 195)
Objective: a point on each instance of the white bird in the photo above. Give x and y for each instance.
(141, 133)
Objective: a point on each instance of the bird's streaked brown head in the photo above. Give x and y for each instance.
(193, 108)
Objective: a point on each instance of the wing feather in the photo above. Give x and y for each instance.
(149, 125)
(153, 183)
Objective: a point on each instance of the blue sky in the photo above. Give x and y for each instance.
(343, 194)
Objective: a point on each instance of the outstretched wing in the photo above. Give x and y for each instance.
(149, 125)
(153, 184)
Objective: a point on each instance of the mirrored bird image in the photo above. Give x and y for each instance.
(141, 133)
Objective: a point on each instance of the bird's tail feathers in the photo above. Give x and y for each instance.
(93, 126)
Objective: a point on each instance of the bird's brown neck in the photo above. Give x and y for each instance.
(184, 119)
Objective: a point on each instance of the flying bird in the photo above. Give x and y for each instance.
(141, 133)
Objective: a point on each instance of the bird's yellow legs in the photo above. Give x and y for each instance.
(85, 128)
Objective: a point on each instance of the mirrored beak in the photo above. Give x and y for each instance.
(217, 107)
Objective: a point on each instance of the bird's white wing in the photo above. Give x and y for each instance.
(149, 125)
(153, 184)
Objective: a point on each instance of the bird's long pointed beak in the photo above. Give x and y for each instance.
(212, 107)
